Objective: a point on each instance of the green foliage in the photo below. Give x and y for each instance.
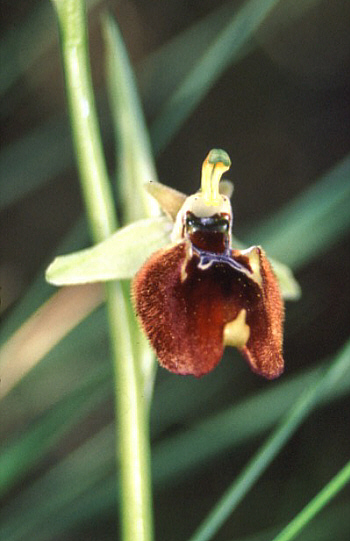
(212, 472)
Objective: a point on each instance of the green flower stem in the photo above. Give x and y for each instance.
(317, 503)
(132, 429)
(131, 412)
(86, 134)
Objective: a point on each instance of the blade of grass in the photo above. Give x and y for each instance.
(62, 412)
(261, 460)
(229, 429)
(21, 170)
(135, 167)
(315, 505)
(22, 523)
(18, 456)
(133, 148)
(101, 500)
(176, 456)
(19, 40)
(320, 215)
(18, 161)
(39, 291)
(66, 366)
(190, 402)
(236, 33)
(45, 328)
(233, 42)
(90, 463)
(332, 524)
(189, 46)
(130, 406)
(253, 409)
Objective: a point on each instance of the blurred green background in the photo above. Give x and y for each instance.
(279, 105)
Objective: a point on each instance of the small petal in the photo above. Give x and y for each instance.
(170, 200)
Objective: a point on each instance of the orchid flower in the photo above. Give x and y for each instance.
(193, 292)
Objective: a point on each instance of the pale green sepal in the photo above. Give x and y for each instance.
(170, 200)
(118, 257)
(290, 289)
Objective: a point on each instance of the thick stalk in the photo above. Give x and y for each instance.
(133, 438)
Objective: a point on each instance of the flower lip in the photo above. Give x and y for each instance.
(191, 304)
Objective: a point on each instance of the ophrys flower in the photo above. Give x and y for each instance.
(198, 295)
(193, 292)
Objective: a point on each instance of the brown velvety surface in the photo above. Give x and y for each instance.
(184, 319)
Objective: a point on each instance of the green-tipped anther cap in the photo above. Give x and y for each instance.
(214, 165)
(217, 155)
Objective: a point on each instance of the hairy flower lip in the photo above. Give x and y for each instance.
(187, 317)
